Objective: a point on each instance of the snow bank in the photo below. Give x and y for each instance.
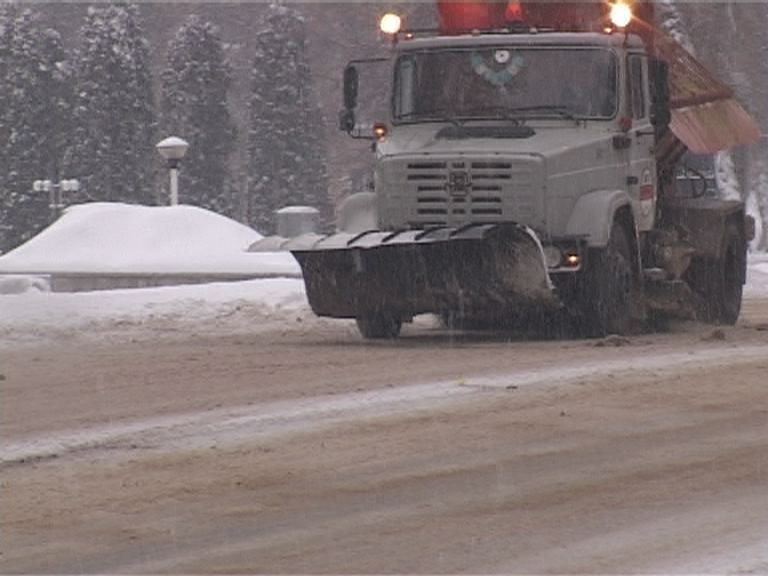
(249, 306)
(255, 305)
(21, 284)
(121, 238)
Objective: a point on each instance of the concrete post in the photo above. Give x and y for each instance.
(294, 221)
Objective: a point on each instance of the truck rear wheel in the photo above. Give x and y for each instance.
(379, 325)
(718, 281)
(607, 300)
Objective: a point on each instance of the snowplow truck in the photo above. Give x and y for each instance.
(530, 165)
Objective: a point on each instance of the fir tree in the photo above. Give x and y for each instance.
(115, 118)
(35, 108)
(286, 145)
(195, 87)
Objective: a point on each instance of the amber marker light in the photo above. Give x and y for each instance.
(621, 14)
(390, 23)
(380, 131)
(572, 260)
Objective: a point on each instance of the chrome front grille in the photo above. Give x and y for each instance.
(452, 191)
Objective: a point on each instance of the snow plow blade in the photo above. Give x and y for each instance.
(419, 271)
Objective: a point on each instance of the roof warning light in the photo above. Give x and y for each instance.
(621, 14)
(390, 23)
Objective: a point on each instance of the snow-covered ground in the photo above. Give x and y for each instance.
(195, 241)
(121, 238)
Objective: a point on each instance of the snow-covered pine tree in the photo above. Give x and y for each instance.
(115, 119)
(35, 108)
(286, 144)
(195, 86)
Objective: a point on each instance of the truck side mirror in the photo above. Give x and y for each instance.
(347, 115)
(351, 120)
(659, 75)
(350, 87)
(347, 120)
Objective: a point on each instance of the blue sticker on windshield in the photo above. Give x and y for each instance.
(512, 64)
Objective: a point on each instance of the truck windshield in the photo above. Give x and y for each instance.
(502, 82)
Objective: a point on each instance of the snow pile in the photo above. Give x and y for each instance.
(257, 302)
(104, 238)
(20, 284)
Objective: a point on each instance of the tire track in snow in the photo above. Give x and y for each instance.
(229, 426)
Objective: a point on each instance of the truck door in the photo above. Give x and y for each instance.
(641, 172)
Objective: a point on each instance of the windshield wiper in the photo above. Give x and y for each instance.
(492, 113)
(516, 115)
(562, 111)
(433, 116)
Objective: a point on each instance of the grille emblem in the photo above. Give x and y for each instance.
(459, 183)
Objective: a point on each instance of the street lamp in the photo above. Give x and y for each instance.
(173, 150)
(54, 190)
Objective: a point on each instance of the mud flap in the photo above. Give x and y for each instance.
(419, 271)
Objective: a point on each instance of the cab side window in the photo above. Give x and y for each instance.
(636, 86)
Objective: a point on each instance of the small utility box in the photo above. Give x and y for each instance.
(293, 221)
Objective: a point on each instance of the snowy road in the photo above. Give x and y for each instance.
(227, 427)
(156, 446)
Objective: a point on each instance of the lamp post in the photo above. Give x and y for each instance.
(54, 190)
(173, 150)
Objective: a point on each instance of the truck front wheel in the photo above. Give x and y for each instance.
(379, 325)
(607, 297)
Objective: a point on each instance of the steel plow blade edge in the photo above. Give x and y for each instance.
(431, 270)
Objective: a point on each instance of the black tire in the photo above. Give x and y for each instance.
(607, 300)
(379, 325)
(719, 282)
